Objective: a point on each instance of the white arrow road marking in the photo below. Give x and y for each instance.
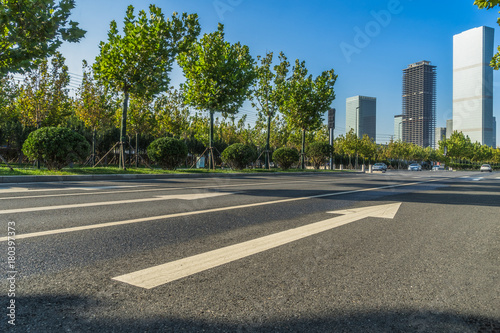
(158, 275)
(192, 196)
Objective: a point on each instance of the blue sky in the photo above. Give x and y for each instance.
(326, 34)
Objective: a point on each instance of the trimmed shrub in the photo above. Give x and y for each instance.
(238, 155)
(318, 152)
(56, 147)
(286, 157)
(168, 153)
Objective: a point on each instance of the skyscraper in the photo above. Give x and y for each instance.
(361, 115)
(449, 128)
(473, 84)
(440, 135)
(398, 127)
(494, 145)
(419, 103)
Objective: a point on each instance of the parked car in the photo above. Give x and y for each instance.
(415, 167)
(485, 167)
(379, 167)
(437, 168)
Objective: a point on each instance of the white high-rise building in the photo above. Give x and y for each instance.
(361, 115)
(473, 84)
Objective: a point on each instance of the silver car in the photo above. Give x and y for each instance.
(415, 167)
(485, 167)
(379, 167)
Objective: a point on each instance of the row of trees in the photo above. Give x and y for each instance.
(132, 70)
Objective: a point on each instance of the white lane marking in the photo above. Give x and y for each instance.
(87, 188)
(151, 190)
(192, 196)
(158, 275)
(212, 210)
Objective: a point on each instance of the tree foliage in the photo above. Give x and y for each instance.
(171, 114)
(139, 61)
(32, 30)
(218, 73)
(489, 4)
(93, 104)
(43, 98)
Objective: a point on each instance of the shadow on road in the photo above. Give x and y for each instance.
(45, 313)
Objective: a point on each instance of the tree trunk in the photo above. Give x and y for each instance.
(267, 141)
(303, 157)
(210, 140)
(93, 147)
(123, 131)
(136, 150)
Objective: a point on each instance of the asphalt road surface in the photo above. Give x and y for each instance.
(322, 252)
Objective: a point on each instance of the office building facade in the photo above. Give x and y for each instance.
(361, 115)
(440, 135)
(494, 145)
(449, 128)
(419, 104)
(473, 84)
(398, 127)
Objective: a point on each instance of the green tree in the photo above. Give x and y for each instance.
(318, 152)
(32, 30)
(304, 100)
(218, 76)
(43, 98)
(138, 62)
(349, 145)
(94, 106)
(458, 146)
(368, 147)
(266, 92)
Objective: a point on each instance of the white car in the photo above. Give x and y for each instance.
(379, 167)
(414, 167)
(485, 167)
